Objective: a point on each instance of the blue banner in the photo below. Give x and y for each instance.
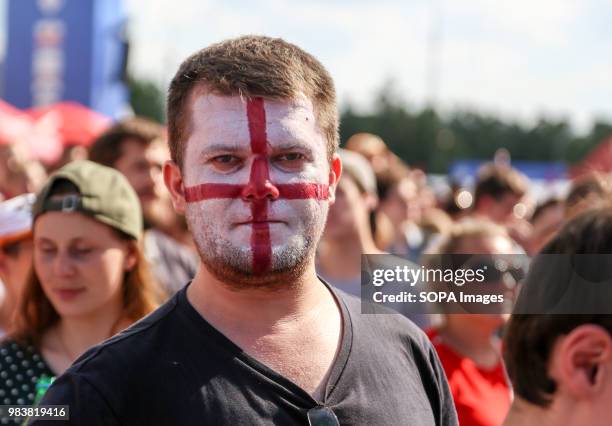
(60, 50)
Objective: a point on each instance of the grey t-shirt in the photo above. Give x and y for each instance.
(172, 264)
(174, 368)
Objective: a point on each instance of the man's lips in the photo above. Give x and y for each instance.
(260, 223)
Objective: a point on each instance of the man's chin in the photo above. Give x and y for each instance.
(240, 278)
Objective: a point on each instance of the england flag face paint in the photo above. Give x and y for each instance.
(256, 179)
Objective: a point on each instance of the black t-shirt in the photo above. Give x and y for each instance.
(174, 368)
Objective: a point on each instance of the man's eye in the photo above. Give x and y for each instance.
(225, 162)
(225, 158)
(291, 160)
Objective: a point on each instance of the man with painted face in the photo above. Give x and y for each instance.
(257, 337)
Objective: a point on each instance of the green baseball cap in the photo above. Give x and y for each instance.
(104, 194)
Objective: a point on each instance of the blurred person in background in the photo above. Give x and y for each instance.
(435, 224)
(546, 220)
(374, 149)
(404, 195)
(89, 279)
(427, 197)
(586, 191)
(468, 344)
(18, 173)
(348, 232)
(15, 253)
(560, 364)
(399, 203)
(499, 196)
(71, 152)
(136, 148)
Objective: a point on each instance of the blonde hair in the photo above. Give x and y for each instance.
(464, 230)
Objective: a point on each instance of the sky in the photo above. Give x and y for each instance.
(519, 59)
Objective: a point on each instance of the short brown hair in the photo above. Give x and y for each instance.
(107, 148)
(530, 338)
(498, 180)
(251, 66)
(595, 183)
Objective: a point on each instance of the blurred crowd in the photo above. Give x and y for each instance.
(141, 247)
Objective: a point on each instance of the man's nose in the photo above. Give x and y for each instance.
(259, 185)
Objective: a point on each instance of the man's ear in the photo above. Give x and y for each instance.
(335, 171)
(173, 179)
(579, 361)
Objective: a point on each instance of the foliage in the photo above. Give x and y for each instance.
(147, 99)
(427, 140)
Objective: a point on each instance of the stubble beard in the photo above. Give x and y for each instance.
(233, 265)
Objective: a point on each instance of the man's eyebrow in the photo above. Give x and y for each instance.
(233, 148)
(291, 146)
(222, 147)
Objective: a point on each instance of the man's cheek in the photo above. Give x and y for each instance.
(209, 213)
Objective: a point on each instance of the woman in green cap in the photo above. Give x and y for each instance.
(89, 278)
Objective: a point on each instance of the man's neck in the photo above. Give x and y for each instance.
(295, 330)
(479, 344)
(258, 310)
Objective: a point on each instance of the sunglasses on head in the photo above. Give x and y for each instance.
(508, 270)
(322, 416)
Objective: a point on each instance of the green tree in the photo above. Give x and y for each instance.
(427, 140)
(147, 99)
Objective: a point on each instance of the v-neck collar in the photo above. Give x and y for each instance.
(338, 366)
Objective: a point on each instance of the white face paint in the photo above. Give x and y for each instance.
(219, 151)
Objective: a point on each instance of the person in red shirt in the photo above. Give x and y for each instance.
(468, 344)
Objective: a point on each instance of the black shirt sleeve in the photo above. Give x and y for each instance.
(86, 405)
(447, 412)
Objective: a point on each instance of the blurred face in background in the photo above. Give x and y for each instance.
(349, 212)
(18, 174)
(499, 210)
(485, 245)
(545, 226)
(80, 263)
(15, 264)
(142, 164)
(401, 204)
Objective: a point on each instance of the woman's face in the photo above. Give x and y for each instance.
(80, 263)
(491, 245)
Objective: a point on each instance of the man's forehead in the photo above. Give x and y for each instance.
(221, 123)
(208, 107)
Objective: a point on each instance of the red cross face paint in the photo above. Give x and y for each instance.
(256, 183)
